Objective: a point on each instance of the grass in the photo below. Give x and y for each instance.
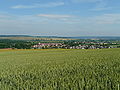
(60, 69)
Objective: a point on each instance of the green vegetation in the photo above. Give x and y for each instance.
(60, 69)
(24, 44)
(5, 43)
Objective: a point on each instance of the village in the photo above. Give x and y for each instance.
(59, 44)
(74, 45)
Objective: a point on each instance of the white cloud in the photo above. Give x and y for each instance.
(53, 4)
(54, 16)
(100, 6)
(96, 20)
(64, 23)
(4, 16)
(106, 19)
(86, 1)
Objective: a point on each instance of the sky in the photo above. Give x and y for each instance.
(60, 17)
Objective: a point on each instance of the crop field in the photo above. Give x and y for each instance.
(60, 69)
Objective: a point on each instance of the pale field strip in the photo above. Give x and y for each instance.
(33, 38)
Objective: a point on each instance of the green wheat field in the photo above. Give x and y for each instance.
(60, 69)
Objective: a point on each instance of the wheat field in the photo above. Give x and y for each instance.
(60, 69)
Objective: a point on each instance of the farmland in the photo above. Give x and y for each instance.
(60, 69)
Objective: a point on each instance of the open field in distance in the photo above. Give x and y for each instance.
(33, 38)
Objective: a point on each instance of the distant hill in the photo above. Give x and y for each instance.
(58, 37)
(28, 37)
(97, 37)
(15, 36)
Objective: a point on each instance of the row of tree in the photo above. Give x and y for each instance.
(15, 44)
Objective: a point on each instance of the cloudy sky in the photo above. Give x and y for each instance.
(60, 17)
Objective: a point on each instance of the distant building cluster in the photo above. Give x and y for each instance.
(68, 46)
(88, 47)
(48, 45)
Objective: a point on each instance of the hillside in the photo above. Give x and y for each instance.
(60, 69)
(27, 37)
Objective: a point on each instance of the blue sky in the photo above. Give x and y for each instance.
(60, 17)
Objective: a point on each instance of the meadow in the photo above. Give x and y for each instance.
(60, 69)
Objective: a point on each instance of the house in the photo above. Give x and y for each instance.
(48, 45)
